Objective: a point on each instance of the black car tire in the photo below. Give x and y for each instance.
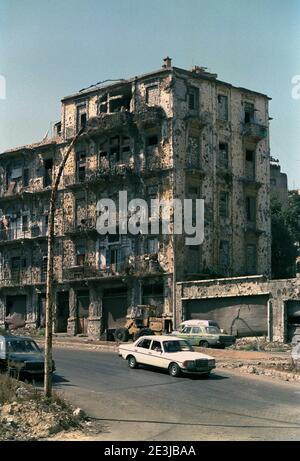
(121, 335)
(132, 363)
(204, 344)
(174, 369)
(143, 332)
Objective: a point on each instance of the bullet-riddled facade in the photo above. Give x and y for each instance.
(168, 134)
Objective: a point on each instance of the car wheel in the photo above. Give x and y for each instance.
(132, 363)
(121, 335)
(203, 344)
(174, 370)
(143, 332)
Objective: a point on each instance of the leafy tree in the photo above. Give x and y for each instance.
(285, 232)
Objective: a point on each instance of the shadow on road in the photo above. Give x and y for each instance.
(193, 377)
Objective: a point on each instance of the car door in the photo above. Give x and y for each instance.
(196, 336)
(186, 334)
(142, 349)
(156, 355)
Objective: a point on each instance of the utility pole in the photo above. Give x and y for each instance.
(174, 320)
(49, 280)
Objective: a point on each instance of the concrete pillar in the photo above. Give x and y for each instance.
(31, 308)
(95, 312)
(178, 305)
(72, 320)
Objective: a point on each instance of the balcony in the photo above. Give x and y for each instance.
(148, 117)
(19, 233)
(104, 171)
(193, 166)
(109, 122)
(254, 132)
(89, 271)
(136, 265)
(147, 264)
(199, 120)
(82, 225)
(18, 277)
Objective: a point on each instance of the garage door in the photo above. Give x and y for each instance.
(293, 321)
(83, 303)
(241, 316)
(114, 308)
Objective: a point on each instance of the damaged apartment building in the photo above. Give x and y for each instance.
(171, 133)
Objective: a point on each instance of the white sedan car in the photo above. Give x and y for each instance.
(174, 354)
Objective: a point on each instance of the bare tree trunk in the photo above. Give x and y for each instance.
(49, 280)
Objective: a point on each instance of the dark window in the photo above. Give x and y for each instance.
(223, 154)
(250, 164)
(48, 166)
(193, 190)
(25, 177)
(222, 107)
(81, 117)
(251, 209)
(193, 98)
(249, 155)
(25, 223)
(224, 204)
(80, 254)
(144, 343)
(81, 166)
(249, 112)
(156, 346)
(82, 120)
(151, 141)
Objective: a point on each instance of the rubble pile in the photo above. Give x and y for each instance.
(26, 415)
(260, 344)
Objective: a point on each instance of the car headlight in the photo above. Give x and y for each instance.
(189, 363)
(211, 363)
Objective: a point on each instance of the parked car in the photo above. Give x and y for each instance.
(21, 356)
(196, 323)
(205, 336)
(174, 354)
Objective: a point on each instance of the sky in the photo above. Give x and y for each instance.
(52, 48)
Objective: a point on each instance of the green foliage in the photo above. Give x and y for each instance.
(42, 332)
(285, 235)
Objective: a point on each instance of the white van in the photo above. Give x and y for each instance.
(196, 323)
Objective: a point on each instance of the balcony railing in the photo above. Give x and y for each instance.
(88, 271)
(148, 116)
(19, 233)
(109, 122)
(103, 171)
(254, 131)
(19, 277)
(144, 264)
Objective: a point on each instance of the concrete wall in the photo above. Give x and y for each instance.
(278, 293)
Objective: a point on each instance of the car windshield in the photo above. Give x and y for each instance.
(22, 345)
(177, 346)
(212, 330)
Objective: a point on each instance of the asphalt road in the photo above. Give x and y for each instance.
(143, 404)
